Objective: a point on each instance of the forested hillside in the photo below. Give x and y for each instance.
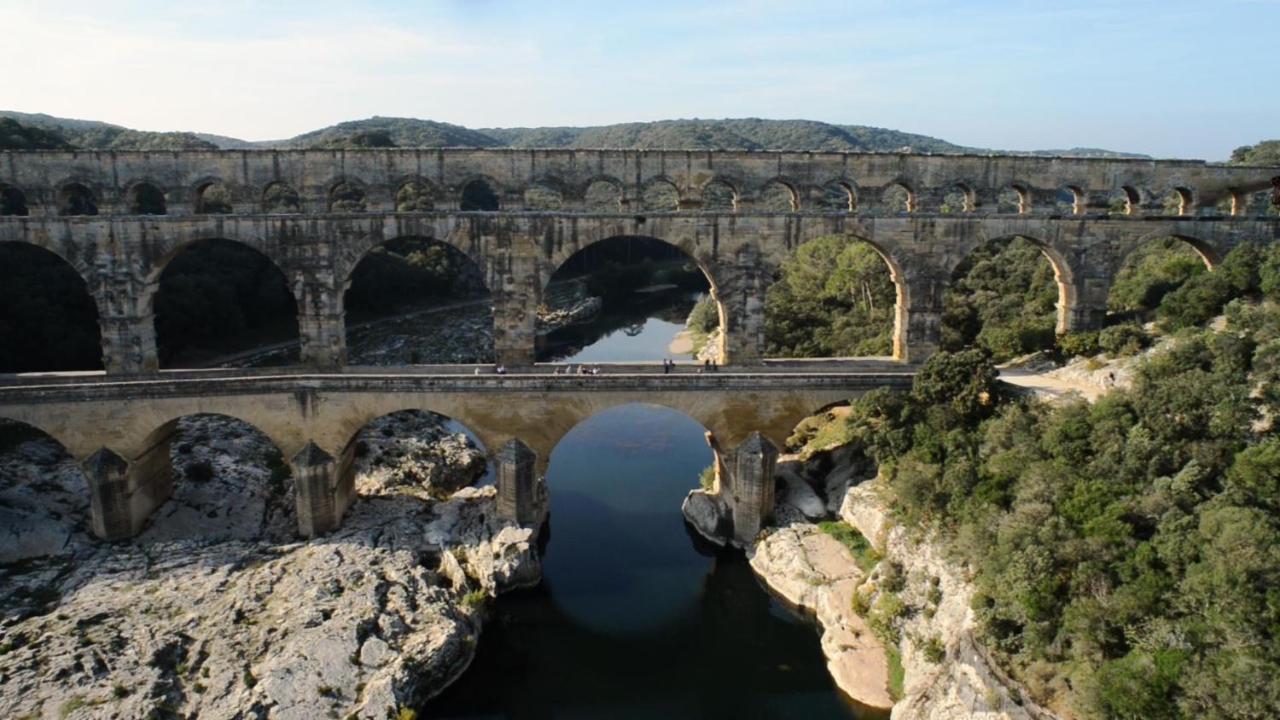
(683, 134)
(1125, 551)
(95, 135)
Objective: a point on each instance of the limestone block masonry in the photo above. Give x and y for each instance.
(316, 213)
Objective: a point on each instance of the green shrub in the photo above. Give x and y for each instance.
(933, 649)
(1122, 340)
(707, 478)
(864, 555)
(1078, 344)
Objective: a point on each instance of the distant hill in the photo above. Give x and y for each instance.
(685, 134)
(16, 136)
(94, 135)
(1266, 152)
(403, 132)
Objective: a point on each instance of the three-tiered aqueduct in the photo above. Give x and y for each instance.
(118, 218)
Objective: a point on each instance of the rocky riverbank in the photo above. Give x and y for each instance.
(897, 629)
(924, 600)
(217, 611)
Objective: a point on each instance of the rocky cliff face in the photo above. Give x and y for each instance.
(913, 599)
(216, 611)
(925, 600)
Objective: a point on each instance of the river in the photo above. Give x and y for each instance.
(636, 617)
(639, 331)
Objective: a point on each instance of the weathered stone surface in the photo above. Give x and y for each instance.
(519, 248)
(709, 515)
(964, 685)
(215, 611)
(816, 574)
(797, 493)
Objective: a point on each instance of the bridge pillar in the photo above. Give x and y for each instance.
(322, 325)
(1086, 307)
(522, 493)
(739, 288)
(323, 490)
(108, 476)
(129, 344)
(922, 334)
(741, 501)
(127, 325)
(123, 494)
(750, 489)
(324, 340)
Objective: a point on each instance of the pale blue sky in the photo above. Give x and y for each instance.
(1171, 78)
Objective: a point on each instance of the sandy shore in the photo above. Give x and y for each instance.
(682, 344)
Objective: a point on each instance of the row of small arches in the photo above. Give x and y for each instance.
(659, 195)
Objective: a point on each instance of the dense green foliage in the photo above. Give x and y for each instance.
(686, 134)
(1266, 152)
(16, 136)
(93, 135)
(1003, 298)
(617, 267)
(834, 298)
(48, 321)
(1150, 273)
(1125, 552)
(408, 272)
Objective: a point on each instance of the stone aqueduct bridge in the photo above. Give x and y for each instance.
(315, 214)
(122, 428)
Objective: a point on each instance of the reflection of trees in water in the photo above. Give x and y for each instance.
(628, 317)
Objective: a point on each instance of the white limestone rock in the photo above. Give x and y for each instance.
(251, 622)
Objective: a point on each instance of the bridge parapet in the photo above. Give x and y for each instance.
(121, 430)
(379, 180)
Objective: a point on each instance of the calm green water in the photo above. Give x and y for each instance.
(635, 618)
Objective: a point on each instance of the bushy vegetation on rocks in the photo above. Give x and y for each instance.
(1124, 551)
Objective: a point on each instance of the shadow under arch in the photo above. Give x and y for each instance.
(51, 319)
(1013, 289)
(398, 286)
(177, 466)
(215, 298)
(898, 319)
(44, 490)
(632, 272)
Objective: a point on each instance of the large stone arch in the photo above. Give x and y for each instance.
(783, 186)
(659, 194)
(1210, 251)
(720, 193)
(13, 202)
(175, 246)
(1063, 261)
(129, 501)
(404, 287)
(702, 257)
(887, 252)
(414, 193)
(346, 194)
(83, 301)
